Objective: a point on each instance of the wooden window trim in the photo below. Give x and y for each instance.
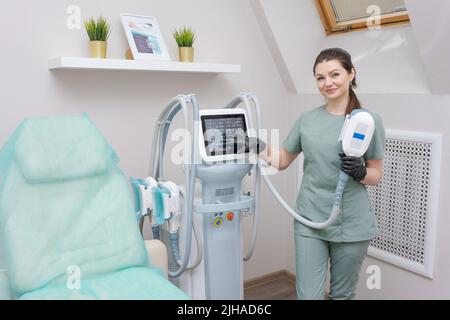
(328, 18)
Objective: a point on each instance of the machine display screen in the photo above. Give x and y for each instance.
(224, 134)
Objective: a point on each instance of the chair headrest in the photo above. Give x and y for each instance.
(61, 148)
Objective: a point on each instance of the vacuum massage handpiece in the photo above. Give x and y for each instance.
(357, 133)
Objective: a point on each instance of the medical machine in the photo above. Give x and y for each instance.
(216, 152)
(213, 268)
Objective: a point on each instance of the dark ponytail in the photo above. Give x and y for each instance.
(353, 103)
(345, 60)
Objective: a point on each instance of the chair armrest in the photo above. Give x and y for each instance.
(157, 253)
(5, 288)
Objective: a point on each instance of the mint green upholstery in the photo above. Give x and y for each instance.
(64, 202)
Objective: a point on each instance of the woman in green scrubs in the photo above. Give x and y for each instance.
(316, 134)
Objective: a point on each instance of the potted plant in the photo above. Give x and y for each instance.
(98, 32)
(185, 38)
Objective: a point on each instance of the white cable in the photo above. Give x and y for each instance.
(156, 136)
(316, 225)
(180, 100)
(198, 241)
(243, 97)
(257, 184)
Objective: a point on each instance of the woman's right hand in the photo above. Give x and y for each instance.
(279, 159)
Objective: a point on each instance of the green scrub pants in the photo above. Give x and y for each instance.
(312, 256)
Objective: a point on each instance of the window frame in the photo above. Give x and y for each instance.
(328, 18)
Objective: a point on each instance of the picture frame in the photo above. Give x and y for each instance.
(144, 37)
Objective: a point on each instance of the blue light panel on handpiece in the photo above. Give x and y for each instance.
(358, 136)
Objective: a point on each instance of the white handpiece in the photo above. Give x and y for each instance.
(146, 200)
(357, 133)
(172, 206)
(146, 195)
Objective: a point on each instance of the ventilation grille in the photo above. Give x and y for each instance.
(405, 201)
(224, 192)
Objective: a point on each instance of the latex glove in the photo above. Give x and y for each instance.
(252, 144)
(353, 167)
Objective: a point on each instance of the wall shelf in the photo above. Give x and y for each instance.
(74, 63)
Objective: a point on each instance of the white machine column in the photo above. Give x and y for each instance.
(221, 185)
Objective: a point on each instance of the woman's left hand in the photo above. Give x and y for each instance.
(353, 166)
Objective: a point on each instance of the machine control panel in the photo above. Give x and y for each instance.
(220, 218)
(223, 134)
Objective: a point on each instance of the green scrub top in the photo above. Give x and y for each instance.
(316, 134)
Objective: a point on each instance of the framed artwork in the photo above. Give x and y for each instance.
(144, 37)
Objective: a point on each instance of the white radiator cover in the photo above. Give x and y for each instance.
(406, 201)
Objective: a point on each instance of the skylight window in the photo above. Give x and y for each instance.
(347, 15)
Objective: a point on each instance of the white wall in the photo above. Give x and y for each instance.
(427, 113)
(124, 105)
(293, 34)
(431, 26)
(389, 57)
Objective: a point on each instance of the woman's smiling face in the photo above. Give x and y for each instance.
(332, 80)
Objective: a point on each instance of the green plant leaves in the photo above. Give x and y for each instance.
(98, 30)
(184, 37)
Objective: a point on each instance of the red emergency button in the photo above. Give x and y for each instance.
(230, 216)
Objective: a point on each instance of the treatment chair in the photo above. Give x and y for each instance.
(67, 224)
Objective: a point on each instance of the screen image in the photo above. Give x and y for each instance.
(144, 37)
(224, 134)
